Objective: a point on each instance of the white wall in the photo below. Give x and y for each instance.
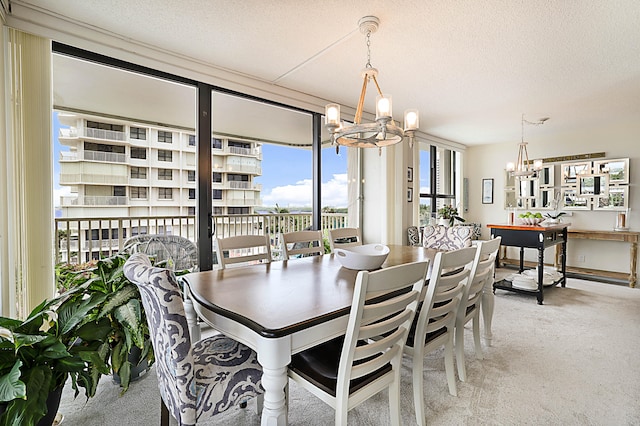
(615, 138)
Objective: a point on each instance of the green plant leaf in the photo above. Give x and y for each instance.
(130, 316)
(119, 298)
(11, 387)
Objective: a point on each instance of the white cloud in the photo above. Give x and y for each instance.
(334, 193)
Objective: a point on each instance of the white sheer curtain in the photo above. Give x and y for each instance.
(26, 230)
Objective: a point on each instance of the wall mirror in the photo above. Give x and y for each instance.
(511, 201)
(546, 176)
(571, 171)
(572, 201)
(528, 187)
(593, 185)
(617, 169)
(543, 201)
(509, 180)
(616, 199)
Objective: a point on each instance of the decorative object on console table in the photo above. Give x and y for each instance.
(622, 223)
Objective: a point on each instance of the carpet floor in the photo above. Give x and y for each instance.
(572, 361)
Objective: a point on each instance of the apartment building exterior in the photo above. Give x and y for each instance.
(127, 170)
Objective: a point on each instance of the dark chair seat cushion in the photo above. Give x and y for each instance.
(319, 365)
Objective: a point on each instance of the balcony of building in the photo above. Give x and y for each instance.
(87, 200)
(93, 179)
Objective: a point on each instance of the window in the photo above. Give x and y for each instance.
(192, 194)
(165, 174)
(138, 172)
(138, 133)
(439, 175)
(164, 155)
(119, 191)
(165, 137)
(218, 211)
(100, 147)
(165, 194)
(238, 210)
(105, 126)
(216, 143)
(139, 153)
(191, 211)
(217, 177)
(192, 140)
(217, 194)
(191, 175)
(139, 193)
(237, 178)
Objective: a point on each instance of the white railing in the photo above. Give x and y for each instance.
(79, 240)
(94, 201)
(75, 178)
(104, 134)
(111, 157)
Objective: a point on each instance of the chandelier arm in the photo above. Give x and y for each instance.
(375, 80)
(363, 92)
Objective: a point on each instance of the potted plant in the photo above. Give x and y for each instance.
(38, 354)
(448, 215)
(130, 350)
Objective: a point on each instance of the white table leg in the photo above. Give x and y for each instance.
(487, 311)
(274, 355)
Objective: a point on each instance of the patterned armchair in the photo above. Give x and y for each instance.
(446, 237)
(195, 381)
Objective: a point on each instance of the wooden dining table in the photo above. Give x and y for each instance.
(281, 308)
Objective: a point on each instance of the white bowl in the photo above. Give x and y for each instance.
(364, 257)
(524, 283)
(529, 220)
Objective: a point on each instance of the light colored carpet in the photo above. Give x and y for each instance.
(572, 361)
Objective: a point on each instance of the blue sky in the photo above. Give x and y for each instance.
(286, 175)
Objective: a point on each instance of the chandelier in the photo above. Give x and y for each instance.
(523, 167)
(384, 131)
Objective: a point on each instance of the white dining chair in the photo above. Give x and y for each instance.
(435, 323)
(302, 243)
(346, 371)
(243, 249)
(482, 271)
(344, 237)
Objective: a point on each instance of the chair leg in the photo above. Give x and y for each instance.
(164, 413)
(449, 366)
(476, 334)
(459, 345)
(418, 391)
(259, 403)
(394, 399)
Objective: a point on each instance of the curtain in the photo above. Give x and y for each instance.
(27, 181)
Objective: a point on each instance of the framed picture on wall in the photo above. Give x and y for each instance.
(487, 191)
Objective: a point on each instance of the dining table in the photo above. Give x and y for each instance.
(281, 308)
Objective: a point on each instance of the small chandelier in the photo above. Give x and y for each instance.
(382, 132)
(523, 167)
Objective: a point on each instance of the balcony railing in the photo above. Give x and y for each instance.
(79, 240)
(86, 178)
(94, 201)
(104, 134)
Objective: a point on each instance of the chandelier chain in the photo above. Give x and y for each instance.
(368, 65)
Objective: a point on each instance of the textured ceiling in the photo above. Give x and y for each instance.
(471, 67)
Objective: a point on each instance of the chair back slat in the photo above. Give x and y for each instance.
(302, 243)
(243, 249)
(344, 237)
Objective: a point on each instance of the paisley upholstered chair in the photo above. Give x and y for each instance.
(413, 234)
(442, 237)
(195, 380)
